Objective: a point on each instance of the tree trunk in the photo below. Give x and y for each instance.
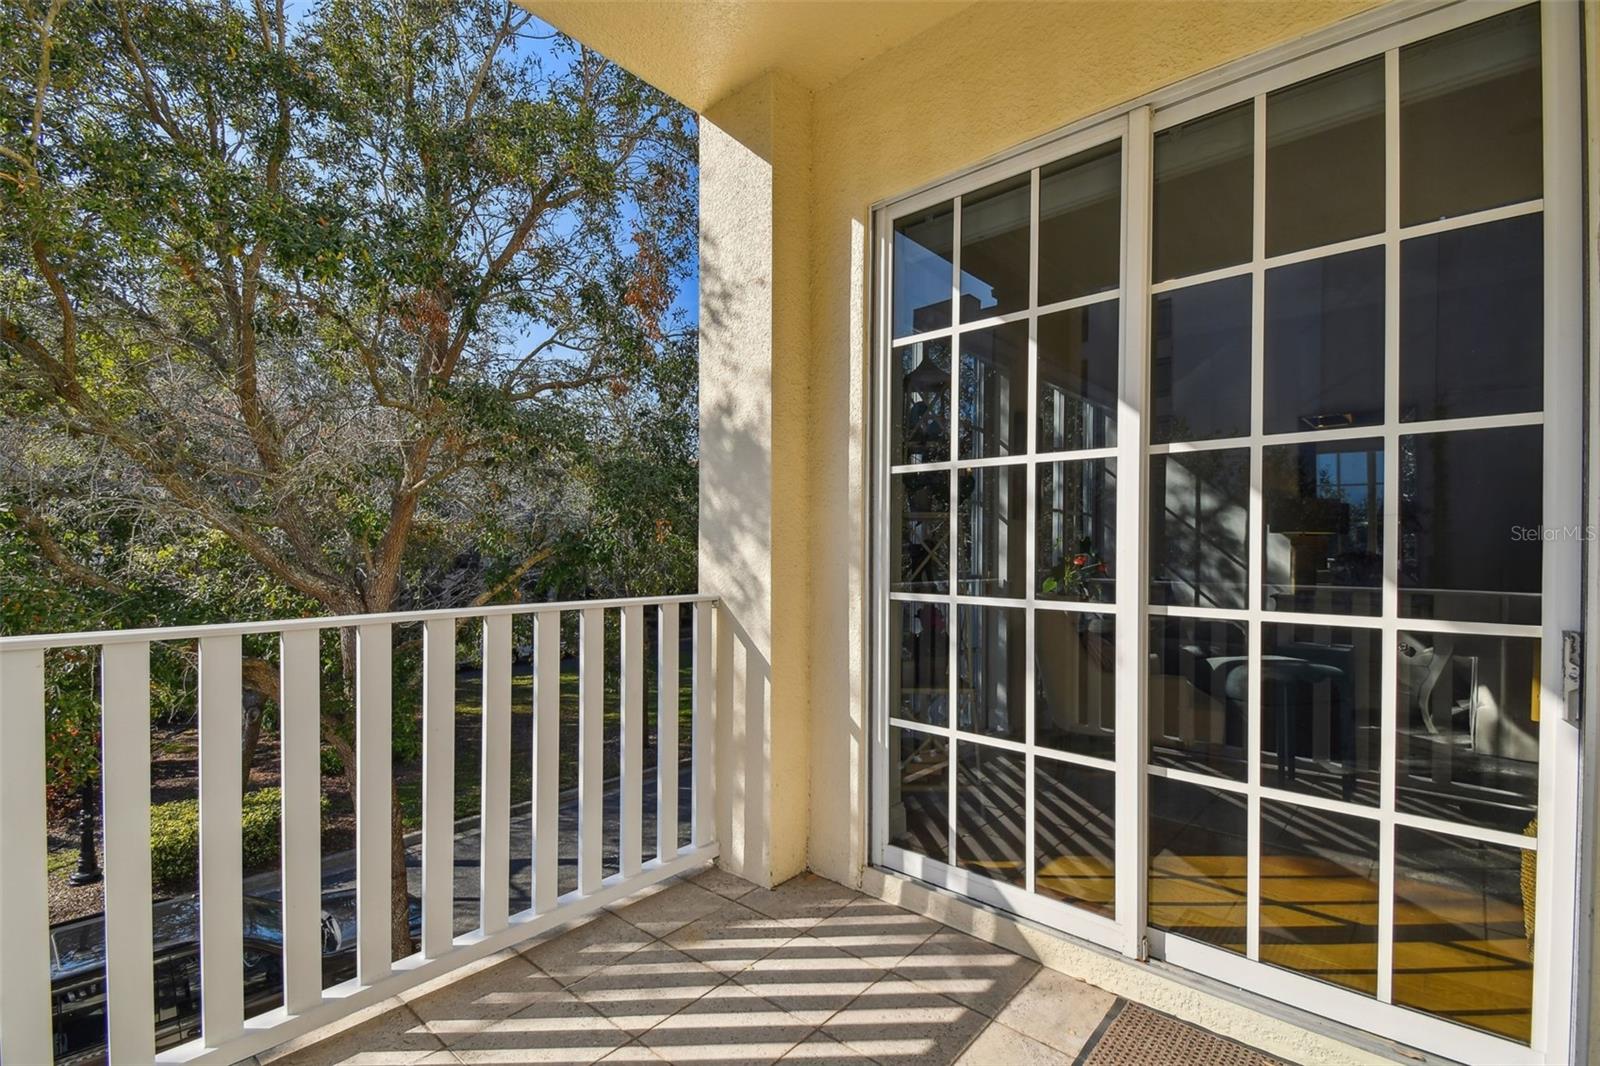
(255, 708)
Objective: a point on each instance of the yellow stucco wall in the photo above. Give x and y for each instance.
(984, 80)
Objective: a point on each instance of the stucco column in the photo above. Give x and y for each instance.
(755, 165)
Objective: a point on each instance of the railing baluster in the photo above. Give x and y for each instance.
(438, 785)
(221, 849)
(591, 739)
(300, 727)
(667, 734)
(546, 759)
(131, 979)
(374, 766)
(24, 910)
(125, 774)
(494, 821)
(701, 737)
(631, 806)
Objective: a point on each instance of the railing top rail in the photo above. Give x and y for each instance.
(28, 642)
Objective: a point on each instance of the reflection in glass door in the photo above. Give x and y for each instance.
(1004, 378)
(1215, 612)
(1346, 430)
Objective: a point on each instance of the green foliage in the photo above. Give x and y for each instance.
(361, 308)
(175, 837)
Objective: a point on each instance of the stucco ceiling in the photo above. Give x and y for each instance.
(700, 50)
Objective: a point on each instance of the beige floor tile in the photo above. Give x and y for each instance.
(727, 1024)
(810, 979)
(999, 1046)
(398, 1038)
(663, 912)
(801, 901)
(576, 954)
(496, 992)
(634, 1052)
(550, 1024)
(876, 931)
(647, 987)
(895, 1021)
(1057, 1010)
(968, 970)
(722, 882)
(820, 1050)
(731, 937)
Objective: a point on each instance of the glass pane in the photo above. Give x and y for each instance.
(1080, 224)
(1472, 321)
(1199, 528)
(1198, 696)
(1078, 378)
(1321, 690)
(1325, 161)
(922, 549)
(1077, 516)
(921, 635)
(1463, 931)
(994, 249)
(921, 404)
(993, 512)
(1197, 862)
(1319, 894)
(991, 791)
(1470, 119)
(1200, 372)
(919, 792)
(1075, 835)
(923, 245)
(1323, 505)
(1203, 192)
(994, 392)
(991, 674)
(1075, 682)
(1469, 728)
(1324, 343)
(1470, 507)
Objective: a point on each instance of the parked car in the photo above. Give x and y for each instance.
(78, 974)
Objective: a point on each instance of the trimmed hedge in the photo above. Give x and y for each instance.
(175, 836)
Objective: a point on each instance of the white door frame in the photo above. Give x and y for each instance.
(1556, 1019)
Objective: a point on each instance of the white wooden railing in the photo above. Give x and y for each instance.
(226, 1034)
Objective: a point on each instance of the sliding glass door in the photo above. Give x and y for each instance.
(1216, 592)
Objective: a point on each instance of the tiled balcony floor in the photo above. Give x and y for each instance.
(711, 969)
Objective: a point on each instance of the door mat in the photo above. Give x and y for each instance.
(1135, 1035)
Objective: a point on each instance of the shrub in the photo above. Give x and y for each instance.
(175, 836)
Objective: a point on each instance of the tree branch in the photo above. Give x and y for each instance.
(513, 577)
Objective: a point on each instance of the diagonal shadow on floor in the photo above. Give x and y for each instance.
(708, 969)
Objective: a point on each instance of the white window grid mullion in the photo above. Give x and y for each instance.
(1237, 270)
(1389, 703)
(951, 622)
(1031, 435)
(879, 651)
(1075, 758)
(1560, 795)
(1196, 777)
(1183, 447)
(1257, 515)
(1261, 260)
(1075, 302)
(1130, 830)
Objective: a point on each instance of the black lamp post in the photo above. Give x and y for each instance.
(88, 871)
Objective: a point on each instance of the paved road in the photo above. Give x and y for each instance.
(338, 870)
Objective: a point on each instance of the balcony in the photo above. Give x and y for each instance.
(665, 959)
